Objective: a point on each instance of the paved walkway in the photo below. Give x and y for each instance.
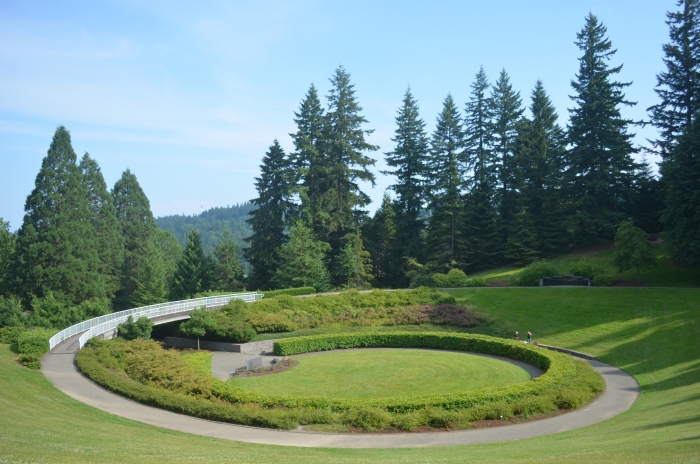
(620, 394)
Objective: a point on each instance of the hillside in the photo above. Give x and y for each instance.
(210, 224)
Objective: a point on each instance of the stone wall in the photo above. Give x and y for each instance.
(253, 347)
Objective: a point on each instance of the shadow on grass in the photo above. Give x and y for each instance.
(671, 423)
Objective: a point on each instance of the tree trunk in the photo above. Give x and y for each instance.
(198, 344)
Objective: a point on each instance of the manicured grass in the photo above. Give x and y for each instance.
(652, 333)
(381, 373)
(666, 274)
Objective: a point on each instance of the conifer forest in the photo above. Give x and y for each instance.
(498, 181)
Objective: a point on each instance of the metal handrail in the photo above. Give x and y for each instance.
(99, 325)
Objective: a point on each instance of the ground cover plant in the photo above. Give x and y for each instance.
(651, 333)
(143, 371)
(382, 373)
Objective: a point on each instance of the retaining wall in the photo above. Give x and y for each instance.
(252, 347)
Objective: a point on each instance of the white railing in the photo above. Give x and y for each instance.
(102, 324)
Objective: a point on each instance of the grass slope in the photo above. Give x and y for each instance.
(666, 274)
(386, 373)
(651, 333)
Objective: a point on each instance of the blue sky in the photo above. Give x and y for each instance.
(190, 96)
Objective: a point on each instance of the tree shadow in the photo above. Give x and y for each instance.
(658, 425)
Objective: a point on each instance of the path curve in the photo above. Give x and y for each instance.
(621, 391)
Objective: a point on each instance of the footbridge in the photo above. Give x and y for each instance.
(161, 313)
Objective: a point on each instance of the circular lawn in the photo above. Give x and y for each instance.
(383, 373)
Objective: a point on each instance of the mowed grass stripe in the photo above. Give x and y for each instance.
(379, 373)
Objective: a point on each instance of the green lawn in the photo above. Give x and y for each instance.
(666, 274)
(385, 373)
(654, 334)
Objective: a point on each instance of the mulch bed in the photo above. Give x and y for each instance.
(279, 367)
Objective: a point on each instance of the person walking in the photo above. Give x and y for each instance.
(529, 336)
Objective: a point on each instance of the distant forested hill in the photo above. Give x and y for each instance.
(210, 224)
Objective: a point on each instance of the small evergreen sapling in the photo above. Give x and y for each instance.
(633, 249)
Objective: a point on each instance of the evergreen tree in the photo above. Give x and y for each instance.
(380, 237)
(56, 251)
(108, 234)
(480, 211)
(150, 278)
(681, 217)
(138, 229)
(191, 269)
(633, 249)
(7, 250)
(302, 261)
(308, 161)
(170, 251)
(600, 166)
(271, 217)
(229, 268)
(409, 160)
(445, 240)
(647, 200)
(679, 86)
(357, 264)
(344, 146)
(506, 110)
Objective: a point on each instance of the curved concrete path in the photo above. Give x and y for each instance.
(621, 391)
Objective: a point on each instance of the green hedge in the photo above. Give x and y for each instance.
(288, 291)
(558, 368)
(31, 346)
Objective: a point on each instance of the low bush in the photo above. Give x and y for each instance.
(531, 275)
(10, 334)
(454, 279)
(270, 323)
(423, 280)
(32, 345)
(476, 282)
(586, 269)
(140, 328)
(368, 419)
(603, 280)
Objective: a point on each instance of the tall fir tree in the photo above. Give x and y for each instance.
(271, 217)
(301, 261)
(380, 237)
(506, 110)
(151, 277)
(600, 167)
(678, 87)
(229, 268)
(56, 250)
(344, 148)
(308, 161)
(171, 251)
(480, 210)
(108, 232)
(445, 240)
(138, 229)
(409, 160)
(7, 251)
(190, 276)
(356, 261)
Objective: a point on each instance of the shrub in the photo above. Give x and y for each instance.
(11, 313)
(603, 280)
(585, 269)
(476, 282)
(452, 315)
(10, 334)
(270, 323)
(531, 275)
(131, 329)
(369, 419)
(31, 346)
(423, 280)
(453, 279)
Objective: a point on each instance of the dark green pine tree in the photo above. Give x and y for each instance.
(308, 162)
(229, 268)
(647, 201)
(679, 86)
(506, 110)
(380, 238)
(271, 217)
(344, 148)
(56, 251)
(538, 165)
(151, 277)
(171, 251)
(409, 160)
(446, 243)
(7, 252)
(600, 167)
(301, 261)
(138, 229)
(480, 210)
(108, 232)
(191, 269)
(682, 214)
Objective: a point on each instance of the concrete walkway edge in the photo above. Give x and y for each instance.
(621, 392)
